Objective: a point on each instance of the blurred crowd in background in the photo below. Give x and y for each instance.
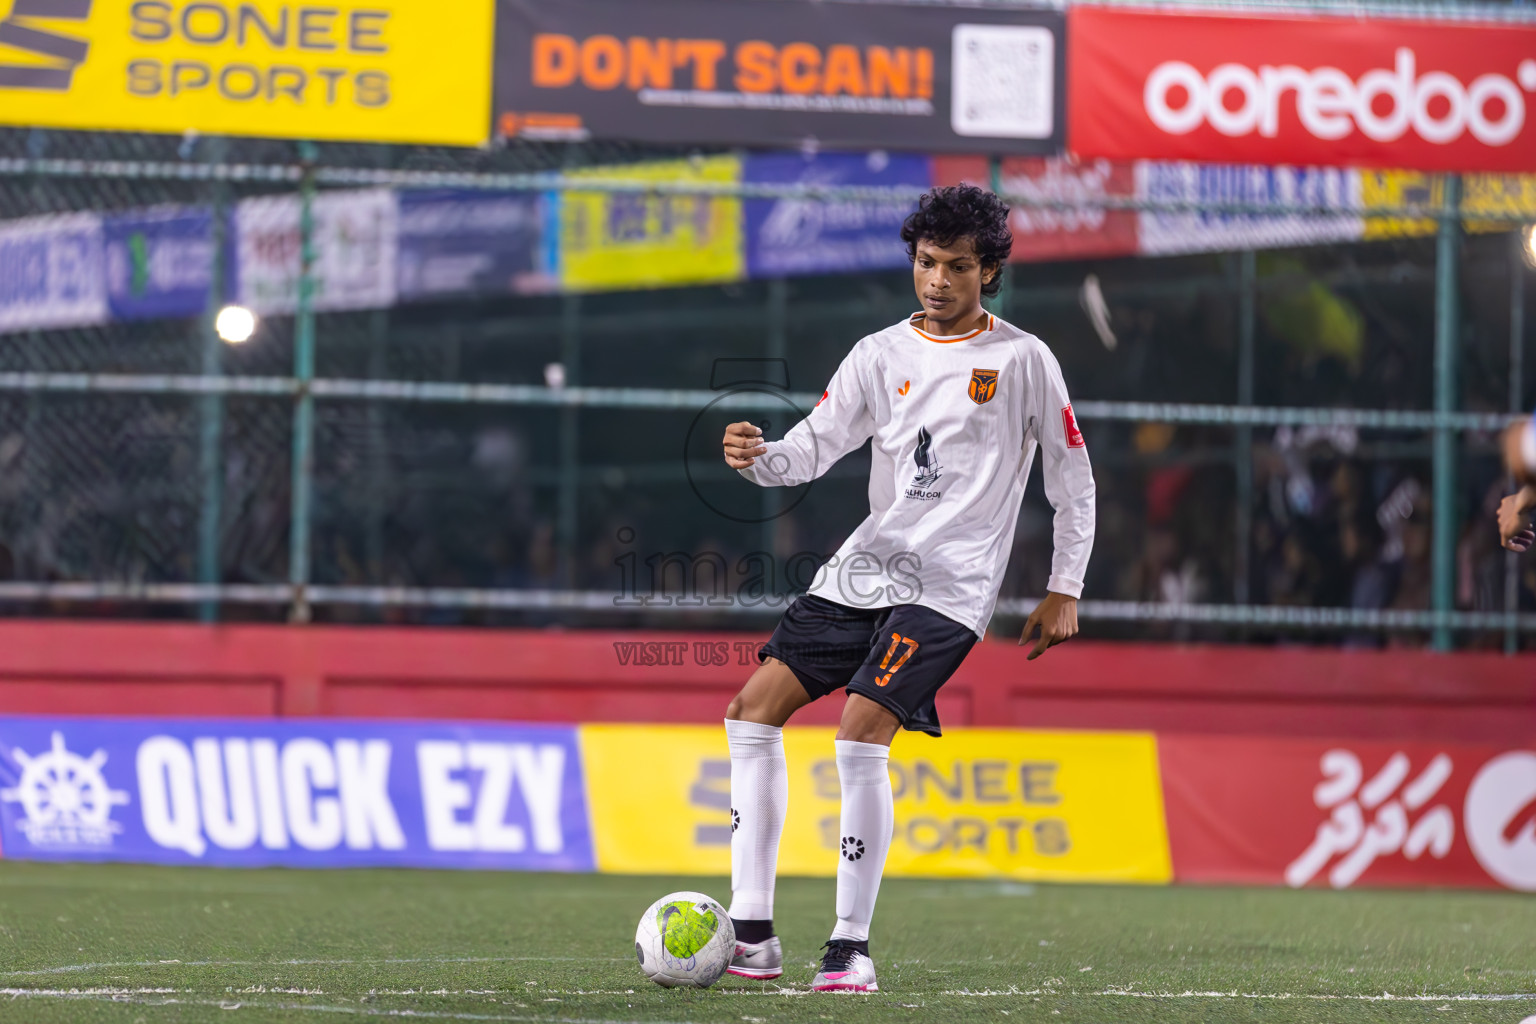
(423, 495)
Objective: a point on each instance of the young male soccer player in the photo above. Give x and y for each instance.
(957, 401)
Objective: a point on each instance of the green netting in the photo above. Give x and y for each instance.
(99, 487)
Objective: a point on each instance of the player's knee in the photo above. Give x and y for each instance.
(866, 733)
(748, 706)
(865, 721)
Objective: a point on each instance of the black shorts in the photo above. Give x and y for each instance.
(898, 657)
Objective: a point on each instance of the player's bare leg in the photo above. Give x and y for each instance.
(865, 824)
(865, 721)
(771, 695)
(754, 728)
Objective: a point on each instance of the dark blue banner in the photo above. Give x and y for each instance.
(801, 236)
(159, 262)
(297, 793)
(469, 243)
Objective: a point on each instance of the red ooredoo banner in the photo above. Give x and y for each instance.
(1301, 91)
(1305, 812)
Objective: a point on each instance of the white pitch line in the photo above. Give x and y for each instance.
(356, 1011)
(261, 990)
(234, 1003)
(75, 968)
(441, 992)
(1385, 997)
(65, 993)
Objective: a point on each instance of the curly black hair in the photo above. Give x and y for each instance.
(953, 212)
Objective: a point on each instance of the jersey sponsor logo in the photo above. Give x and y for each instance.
(1074, 435)
(983, 386)
(904, 389)
(928, 468)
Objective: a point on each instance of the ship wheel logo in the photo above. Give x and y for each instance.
(64, 796)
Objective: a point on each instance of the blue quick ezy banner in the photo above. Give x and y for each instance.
(50, 272)
(294, 793)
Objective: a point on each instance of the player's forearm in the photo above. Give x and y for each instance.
(757, 475)
(1074, 530)
(1070, 488)
(784, 464)
(1525, 498)
(1069, 564)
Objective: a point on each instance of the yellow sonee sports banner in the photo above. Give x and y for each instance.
(638, 239)
(410, 71)
(1056, 806)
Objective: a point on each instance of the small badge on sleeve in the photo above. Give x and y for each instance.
(1069, 423)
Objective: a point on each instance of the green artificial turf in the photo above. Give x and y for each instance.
(85, 943)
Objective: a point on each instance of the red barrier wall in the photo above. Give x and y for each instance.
(547, 675)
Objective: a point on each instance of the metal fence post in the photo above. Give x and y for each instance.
(1516, 406)
(301, 499)
(378, 462)
(568, 499)
(210, 464)
(1447, 325)
(1247, 283)
(1001, 303)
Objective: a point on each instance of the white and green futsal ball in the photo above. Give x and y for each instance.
(686, 940)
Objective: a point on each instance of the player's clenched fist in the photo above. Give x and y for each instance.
(743, 443)
(1515, 531)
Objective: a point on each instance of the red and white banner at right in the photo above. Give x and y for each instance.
(1303, 812)
(1250, 89)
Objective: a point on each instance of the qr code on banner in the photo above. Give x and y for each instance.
(1003, 81)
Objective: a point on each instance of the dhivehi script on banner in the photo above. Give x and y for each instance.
(355, 242)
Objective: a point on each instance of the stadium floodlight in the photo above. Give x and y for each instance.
(1528, 246)
(235, 324)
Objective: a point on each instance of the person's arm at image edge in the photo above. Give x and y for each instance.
(1070, 488)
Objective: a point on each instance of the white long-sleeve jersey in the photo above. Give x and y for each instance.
(955, 421)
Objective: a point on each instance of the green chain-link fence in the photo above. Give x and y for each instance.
(1262, 424)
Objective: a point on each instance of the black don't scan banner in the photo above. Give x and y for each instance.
(782, 73)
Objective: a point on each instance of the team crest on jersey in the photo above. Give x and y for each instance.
(983, 386)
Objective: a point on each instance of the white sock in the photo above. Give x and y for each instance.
(759, 796)
(868, 816)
